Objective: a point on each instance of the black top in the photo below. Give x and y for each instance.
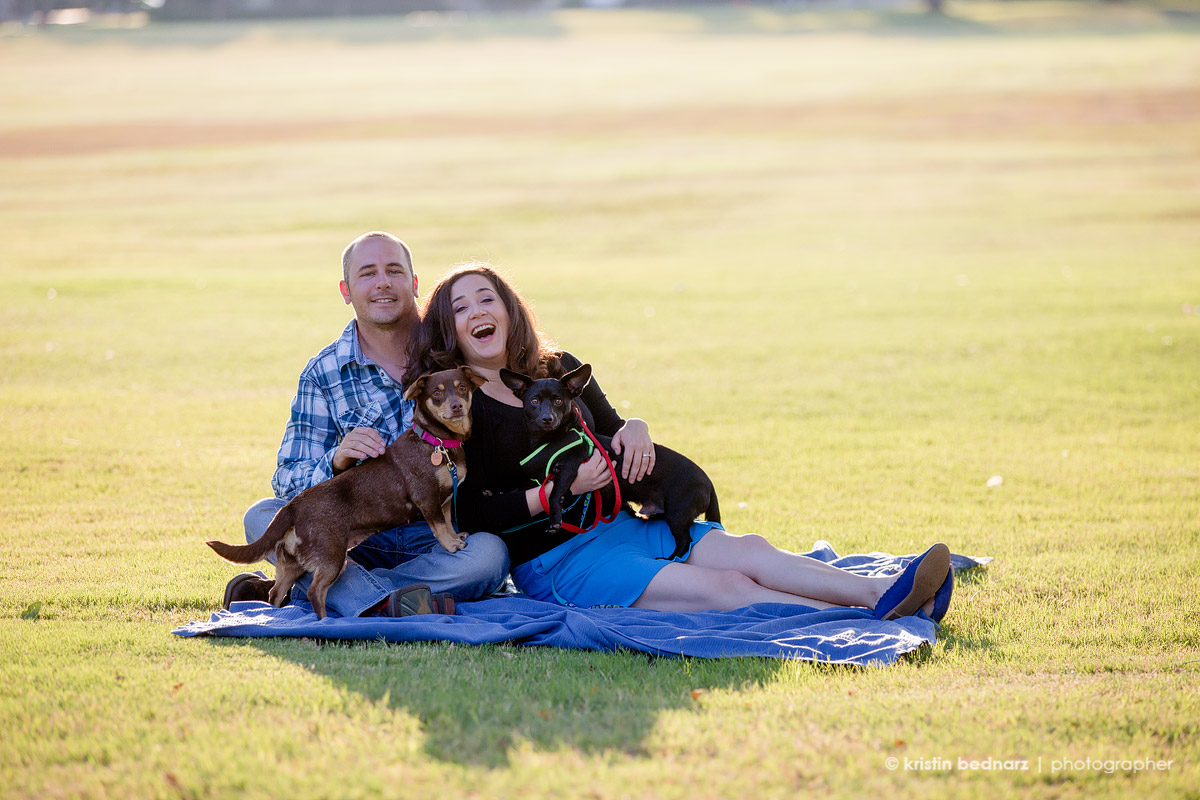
(492, 498)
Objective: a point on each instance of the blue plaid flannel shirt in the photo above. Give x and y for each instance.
(340, 389)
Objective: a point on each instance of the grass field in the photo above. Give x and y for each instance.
(853, 262)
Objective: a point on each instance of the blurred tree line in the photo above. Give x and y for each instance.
(35, 11)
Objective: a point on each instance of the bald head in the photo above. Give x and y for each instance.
(348, 253)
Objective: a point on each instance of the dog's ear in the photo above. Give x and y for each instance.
(414, 390)
(577, 379)
(515, 381)
(474, 377)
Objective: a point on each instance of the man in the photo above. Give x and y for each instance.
(348, 408)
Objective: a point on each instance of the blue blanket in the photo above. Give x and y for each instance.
(837, 636)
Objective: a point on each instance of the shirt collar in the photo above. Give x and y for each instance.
(348, 349)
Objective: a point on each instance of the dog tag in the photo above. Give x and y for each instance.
(435, 458)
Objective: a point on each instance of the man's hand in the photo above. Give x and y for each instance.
(358, 444)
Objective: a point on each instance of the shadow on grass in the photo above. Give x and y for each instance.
(476, 704)
(953, 640)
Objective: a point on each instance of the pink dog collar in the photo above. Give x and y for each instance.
(433, 440)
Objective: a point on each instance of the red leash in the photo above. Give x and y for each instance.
(600, 517)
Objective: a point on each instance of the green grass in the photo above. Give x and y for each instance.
(855, 263)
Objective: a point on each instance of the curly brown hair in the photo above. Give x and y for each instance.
(434, 344)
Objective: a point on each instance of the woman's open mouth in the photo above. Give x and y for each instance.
(483, 331)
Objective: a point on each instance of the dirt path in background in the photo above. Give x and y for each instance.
(977, 116)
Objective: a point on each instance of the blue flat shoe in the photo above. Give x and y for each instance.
(941, 600)
(920, 580)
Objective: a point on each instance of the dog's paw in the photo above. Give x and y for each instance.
(454, 544)
(553, 528)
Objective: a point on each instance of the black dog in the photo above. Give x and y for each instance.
(678, 489)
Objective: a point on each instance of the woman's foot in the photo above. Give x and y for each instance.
(940, 603)
(916, 585)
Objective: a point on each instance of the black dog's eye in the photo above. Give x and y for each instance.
(534, 401)
(558, 401)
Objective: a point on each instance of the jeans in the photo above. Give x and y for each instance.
(397, 557)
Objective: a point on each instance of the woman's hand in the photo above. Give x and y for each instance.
(593, 474)
(636, 449)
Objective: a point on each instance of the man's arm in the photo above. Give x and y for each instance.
(309, 443)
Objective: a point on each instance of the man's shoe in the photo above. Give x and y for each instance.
(443, 603)
(919, 582)
(247, 586)
(407, 601)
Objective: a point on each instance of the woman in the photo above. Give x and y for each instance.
(475, 317)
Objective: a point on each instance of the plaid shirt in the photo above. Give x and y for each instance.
(339, 390)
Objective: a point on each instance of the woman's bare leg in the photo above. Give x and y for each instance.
(791, 573)
(686, 587)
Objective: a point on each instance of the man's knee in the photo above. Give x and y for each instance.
(258, 517)
(488, 563)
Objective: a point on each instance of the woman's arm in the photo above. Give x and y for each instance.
(630, 438)
(607, 420)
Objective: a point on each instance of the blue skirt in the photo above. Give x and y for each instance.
(607, 567)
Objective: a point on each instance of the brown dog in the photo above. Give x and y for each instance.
(412, 478)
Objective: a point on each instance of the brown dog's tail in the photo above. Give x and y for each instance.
(257, 550)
